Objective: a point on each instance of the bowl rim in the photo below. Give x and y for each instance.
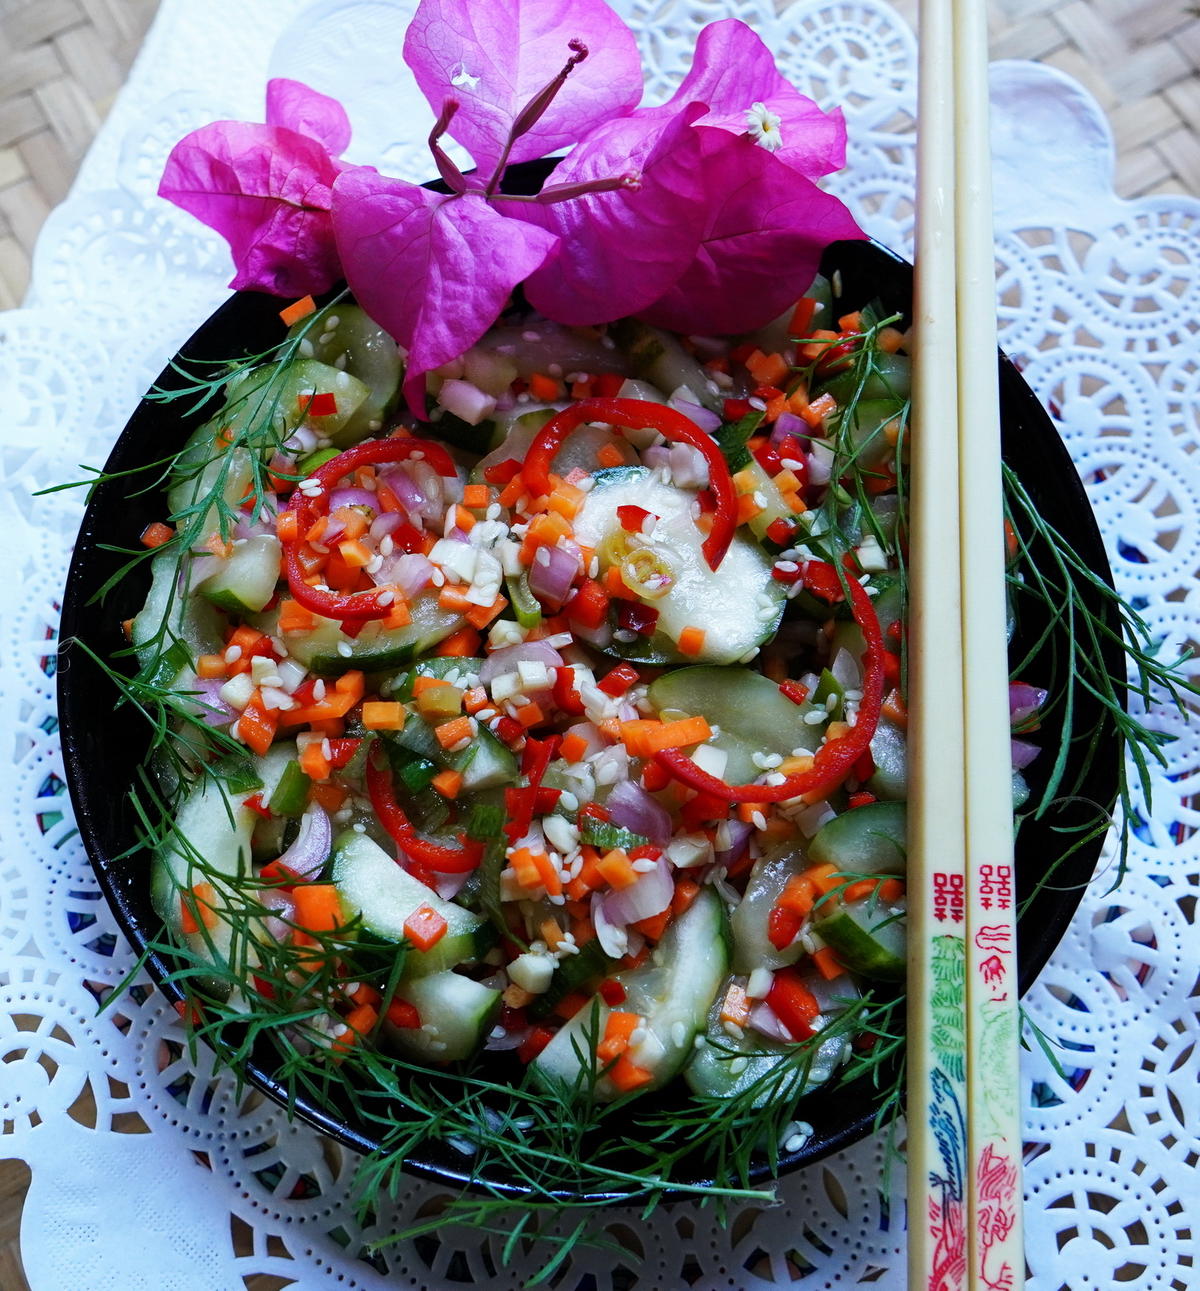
(852, 262)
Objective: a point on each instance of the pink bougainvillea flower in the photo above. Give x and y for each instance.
(761, 244)
(495, 57)
(267, 189)
(434, 270)
(620, 251)
(734, 73)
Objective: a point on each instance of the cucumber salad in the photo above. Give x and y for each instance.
(559, 738)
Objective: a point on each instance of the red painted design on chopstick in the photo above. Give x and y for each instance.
(996, 1181)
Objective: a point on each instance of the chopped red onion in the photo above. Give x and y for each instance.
(310, 850)
(649, 896)
(739, 832)
(278, 925)
(466, 401)
(401, 484)
(1023, 753)
(600, 637)
(1024, 701)
(507, 657)
(214, 711)
(448, 886)
(613, 939)
(765, 1021)
(820, 463)
(506, 1039)
(409, 571)
(787, 423)
(349, 497)
(385, 523)
(846, 670)
(631, 807)
(703, 417)
(552, 573)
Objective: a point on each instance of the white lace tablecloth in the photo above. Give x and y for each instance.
(171, 1183)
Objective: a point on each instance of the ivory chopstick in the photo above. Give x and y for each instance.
(936, 1075)
(995, 1250)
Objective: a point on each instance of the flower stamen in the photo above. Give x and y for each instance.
(763, 127)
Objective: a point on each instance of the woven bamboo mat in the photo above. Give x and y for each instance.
(62, 62)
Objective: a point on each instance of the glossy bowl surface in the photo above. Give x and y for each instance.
(103, 744)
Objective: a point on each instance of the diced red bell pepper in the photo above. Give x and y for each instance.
(793, 1003)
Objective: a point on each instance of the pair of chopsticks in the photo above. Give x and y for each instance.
(964, 1124)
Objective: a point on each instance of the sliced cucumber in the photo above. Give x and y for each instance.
(279, 397)
(574, 973)
(484, 764)
(672, 993)
(581, 449)
(725, 1066)
(328, 651)
(871, 839)
(342, 335)
(171, 631)
(458, 1011)
(752, 714)
(868, 935)
(370, 883)
(209, 843)
(889, 751)
(658, 357)
(749, 922)
(738, 606)
(246, 580)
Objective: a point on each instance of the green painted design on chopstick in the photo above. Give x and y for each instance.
(948, 1035)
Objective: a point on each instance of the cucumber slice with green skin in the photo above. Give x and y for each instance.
(749, 922)
(890, 378)
(861, 430)
(658, 357)
(580, 449)
(345, 332)
(171, 631)
(774, 507)
(574, 973)
(751, 713)
(460, 1011)
(605, 836)
(739, 605)
(452, 669)
(210, 843)
(484, 764)
(246, 580)
(889, 751)
(672, 992)
(329, 652)
(867, 935)
(373, 886)
(872, 839)
(526, 606)
(726, 1066)
(277, 397)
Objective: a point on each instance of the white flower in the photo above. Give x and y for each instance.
(763, 127)
(462, 77)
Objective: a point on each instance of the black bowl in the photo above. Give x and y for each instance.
(103, 745)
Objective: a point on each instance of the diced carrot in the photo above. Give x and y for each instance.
(823, 877)
(463, 519)
(363, 1019)
(479, 616)
(200, 903)
(293, 617)
(860, 888)
(746, 811)
(655, 925)
(425, 927)
(377, 715)
(851, 322)
(398, 615)
(644, 737)
(747, 508)
(512, 492)
(610, 455)
(548, 874)
(354, 523)
(617, 869)
(330, 796)
(157, 534)
(297, 310)
(517, 997)
(476, 700)
(798, 895)
(735, 1007)
(795, 765)
(767, 369)
(691, 641)
(477, 496)
(802, 317)
(454, 732)
(895, 708)
(618, 1027)
(686, 891)
(627, 1076)
(460, 645)
(318, 907)
(422, 683)
(566, 499)
(889, 339)
(448, 783)
(569, 1005)
(530, 715)
(552, 933)
(209, 666)
(573, 747)
(544, 387)
(402, 1014)
(257, 725)
(827, 963)
(314, 763)
(521, 860)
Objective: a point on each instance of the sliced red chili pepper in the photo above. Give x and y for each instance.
(767, 456)
(356, 605)
(534, 1043)
(565, 694)
(618, 680)
(834, 760)
(595, 811)
(638, 414)
(794, 691)
(256, 805)
(633, 518)
(782, 927)
(521, 804)
(612, 992)
(342, 750)
(633, 616)
(502, 472)
(735, 409)
(434, 856)
(781, 531)
(793, 1003)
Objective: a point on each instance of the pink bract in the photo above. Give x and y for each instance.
(298, 107)
(494, 56)
(435, 271)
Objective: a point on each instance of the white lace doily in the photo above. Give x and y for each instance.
(162, 1181)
